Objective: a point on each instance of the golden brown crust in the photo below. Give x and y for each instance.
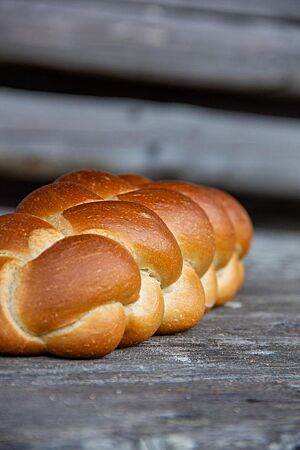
(194, 233)
(13, 340)
(237, 214)
(233, 234)
(144, 316)
(240, 220)
(104, 184)
(222, 226)
(154, 247)
(187, 222)
(184, 303)
(24, 235)
(54, 198)
(94, 275)
(135, 179)
(96, 334)
(138, 228)
(58, 287)
(143, 233)
(229, 280)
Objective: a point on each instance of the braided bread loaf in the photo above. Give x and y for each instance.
(232, 229)
(92, 262)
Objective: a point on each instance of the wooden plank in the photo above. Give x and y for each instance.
(230, 383)
(44, 135)
(287, 10)
(137, 40)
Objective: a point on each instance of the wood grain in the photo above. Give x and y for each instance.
(44, 135)
(289, 9)
(240, 48)
(230, 383)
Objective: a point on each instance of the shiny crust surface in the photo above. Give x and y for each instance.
(222, 226)
(104, 184)
(58, 287)
(95, 261)
(138, 228)
(55, 198)
(135, 180)
(240, 220)
(233, 232)
(24, 235)
(187, 222)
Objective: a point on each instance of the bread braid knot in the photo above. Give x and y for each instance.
(95, 261)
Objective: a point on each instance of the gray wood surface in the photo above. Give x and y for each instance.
(288, 9)
(233, 382)
(253, 48)
(44, 135)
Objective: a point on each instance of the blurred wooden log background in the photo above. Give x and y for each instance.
(200, 43)
(44, 135)
(206, 80)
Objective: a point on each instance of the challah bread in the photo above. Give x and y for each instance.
(64, 295)
(147, 238)
(95, 261)
(141, 231)
(232, 227)
(187, 222)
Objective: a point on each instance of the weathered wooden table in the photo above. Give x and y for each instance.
(233, 382)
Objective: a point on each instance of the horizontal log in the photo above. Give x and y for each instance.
(287, 10)
(43, 135)
(166, 42)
